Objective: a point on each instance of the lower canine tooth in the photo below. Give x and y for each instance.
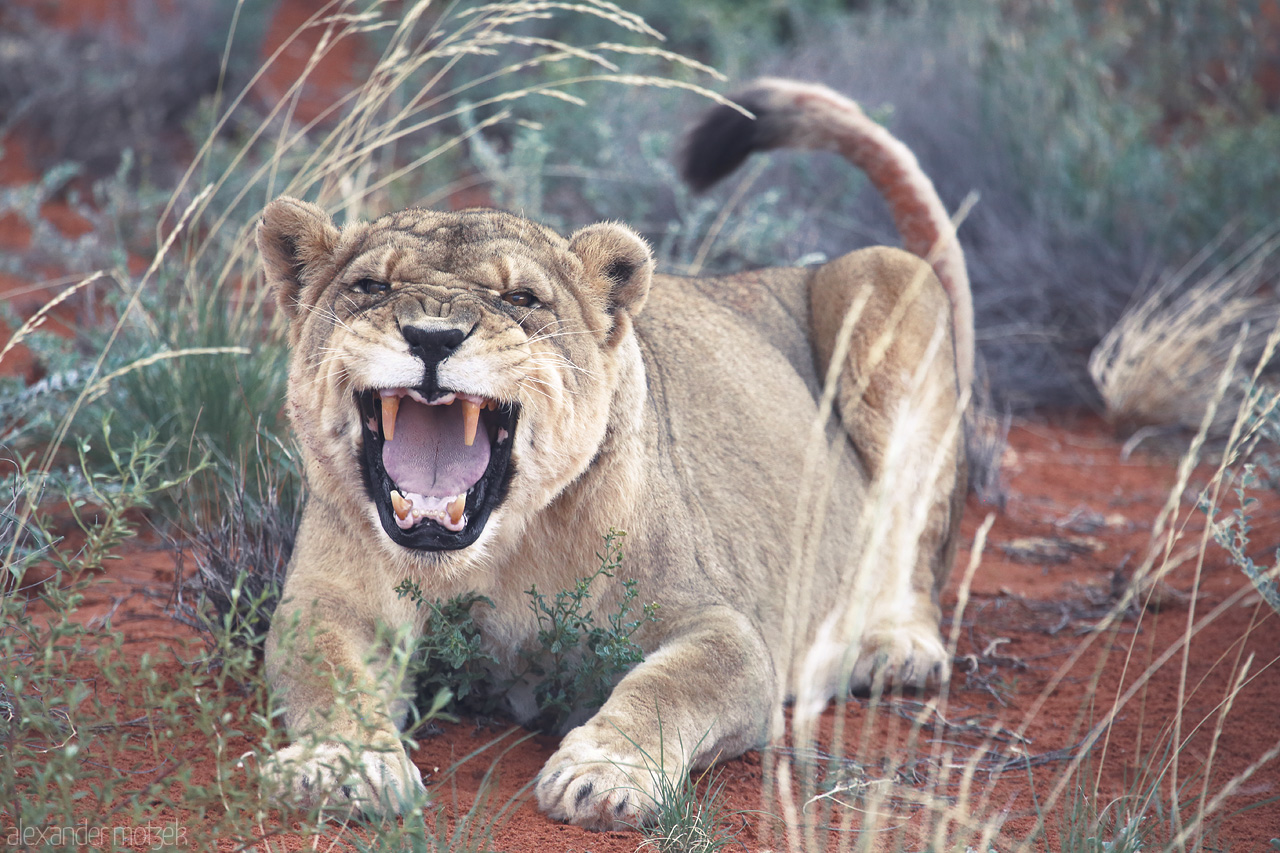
(456, 507)
(470, 420)
(390, 407)
(400, 505)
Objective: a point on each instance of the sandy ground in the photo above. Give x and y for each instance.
(1029, 668)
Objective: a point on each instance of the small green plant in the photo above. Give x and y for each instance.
(1232, 533)
(1109, 830)
(681, 813)
(689, 815)
(1257, 424)
(450, 655)
(62, 735)
(97, 498)
(576, 659)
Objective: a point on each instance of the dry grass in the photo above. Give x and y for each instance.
(942, 789)
(193, 330)
(1165, 362)
(194, 327)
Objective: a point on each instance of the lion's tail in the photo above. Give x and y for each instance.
(791, 114)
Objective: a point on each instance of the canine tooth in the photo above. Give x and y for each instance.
(401, 506)
(456, 507)
(470, 420)
(390, 407)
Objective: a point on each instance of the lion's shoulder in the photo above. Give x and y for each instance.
(747, 311)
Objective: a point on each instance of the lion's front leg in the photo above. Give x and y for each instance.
(340, 677)
(703, 695)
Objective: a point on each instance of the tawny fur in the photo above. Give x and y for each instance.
(793, 114)
(682, 411)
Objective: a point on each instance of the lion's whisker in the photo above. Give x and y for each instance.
(550, 335)
(327, 313)
(553, 322)
(539, 391)
(550, 360)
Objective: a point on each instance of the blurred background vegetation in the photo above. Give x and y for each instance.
(1110, 142)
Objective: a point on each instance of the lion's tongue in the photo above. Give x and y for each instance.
(428, 456)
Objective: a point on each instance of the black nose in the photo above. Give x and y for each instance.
(432, 345)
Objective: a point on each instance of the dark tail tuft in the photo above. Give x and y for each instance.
(722, 140)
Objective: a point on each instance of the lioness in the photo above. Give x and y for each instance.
(478, 400)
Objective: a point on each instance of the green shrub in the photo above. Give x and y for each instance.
(575, 659)
(1117, 125)
(1233, 533)
(574, 662)
(450, 658)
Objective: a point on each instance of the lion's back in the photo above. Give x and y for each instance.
(755, 314)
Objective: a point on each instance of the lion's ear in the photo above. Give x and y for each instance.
(297, 241)
(617, 261)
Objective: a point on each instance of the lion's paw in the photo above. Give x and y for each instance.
(345, 781)
(910, 655)
(597, 785)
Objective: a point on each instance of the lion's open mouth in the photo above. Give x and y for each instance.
(435, 469)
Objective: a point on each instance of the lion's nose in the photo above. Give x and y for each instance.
(432, 345)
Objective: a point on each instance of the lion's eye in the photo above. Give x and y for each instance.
(521, 299)
(371, 285)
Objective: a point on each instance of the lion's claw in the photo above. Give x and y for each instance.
(344, 781)
(910, 656)
(597, 787)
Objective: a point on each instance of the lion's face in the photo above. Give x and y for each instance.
(451, 372)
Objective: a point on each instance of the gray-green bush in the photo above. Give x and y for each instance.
(577, 658)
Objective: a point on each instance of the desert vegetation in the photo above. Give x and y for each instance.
(1123, 253)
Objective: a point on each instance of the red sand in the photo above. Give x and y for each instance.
(1023, 621)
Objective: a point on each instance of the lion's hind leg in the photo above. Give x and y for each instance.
(882, 313)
